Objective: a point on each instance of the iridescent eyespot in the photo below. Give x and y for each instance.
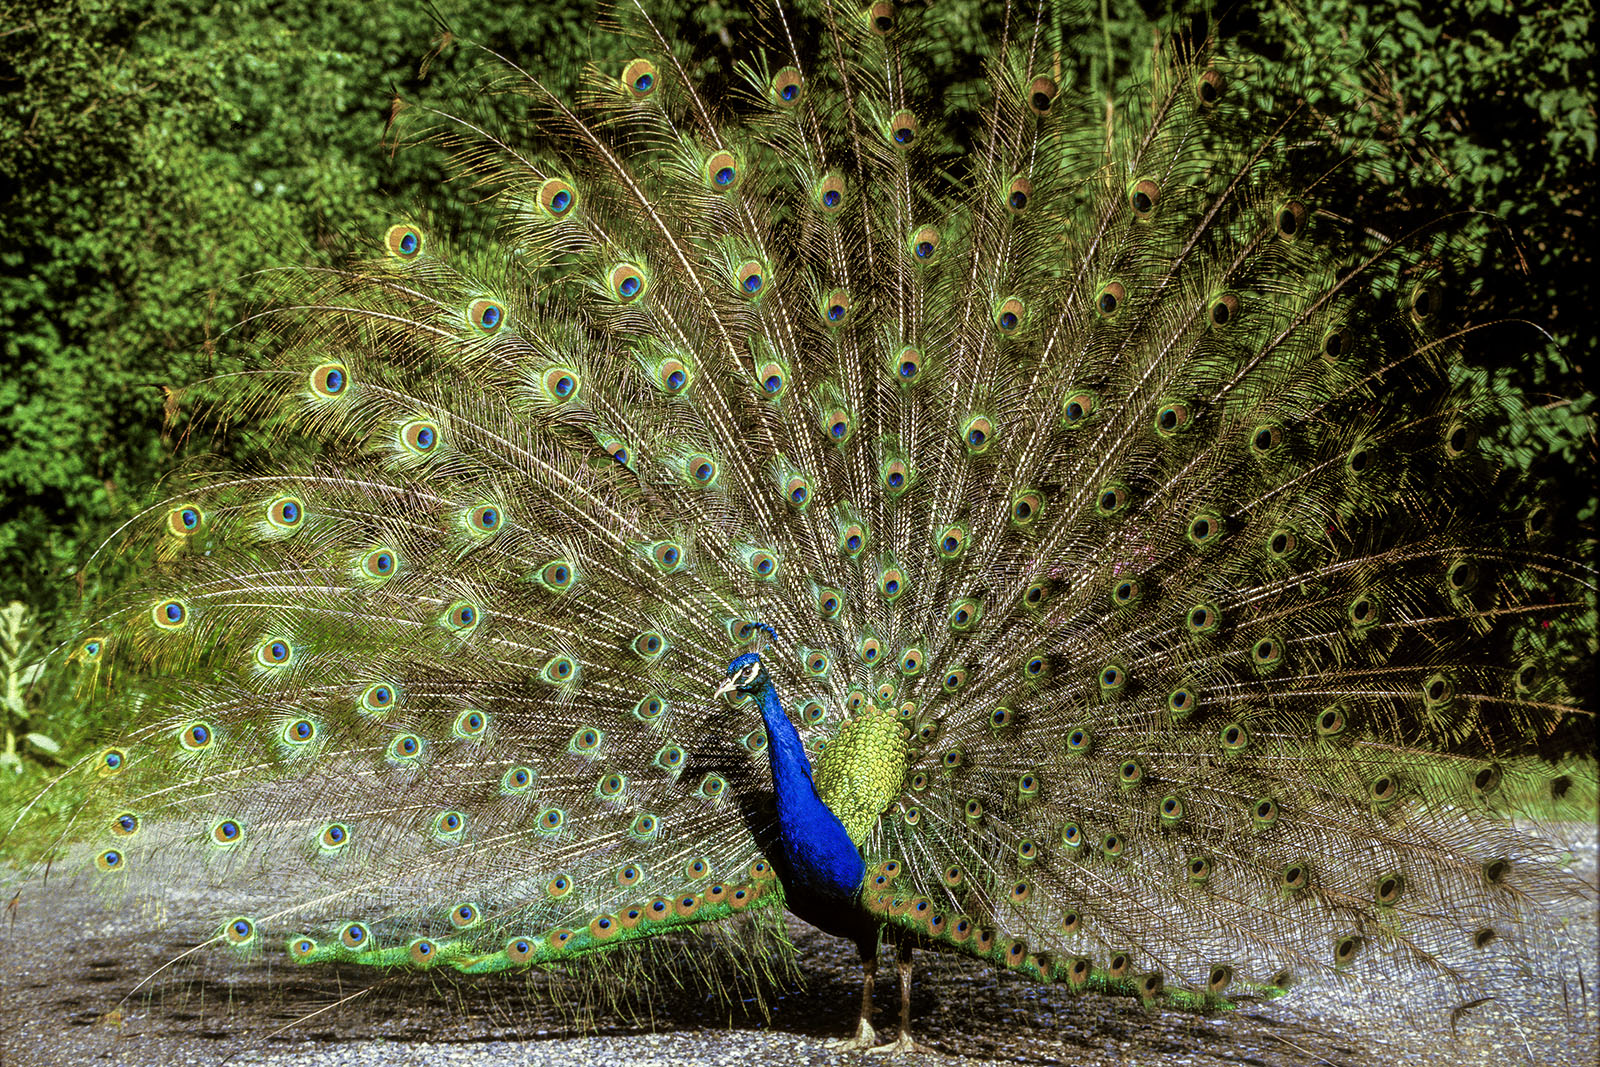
(911, 662)
(109, 860)
(787, 87)
(649, 708)
(403, 241)
(1042, 95)
(485, 316)
(300, 732)
(449, 824)
(1208, 87)
(1425, 300)
(650, 644)
(561, 384)
(902, 131)
(892, 584)
(184, 520)
(273, 652)
(550, 821)
(227, 833)
(1018, 195)
(354, 936)
(763, 564)
(405, 747)
(1076, 409)
(829, 602)
(560, 670)
(954, 680)
(334, 836)
(1337, 344)
(558, 575)
(1181, 702)
(380, 563)
(1204, 530)
(377, 698)
(1009, 315)
(1438, 691)
(557, 197)
(1025, 508)
(643, 827)
(964, 614)
(829, 194)
(1110, 299)
(1234, 737)
(751, 277)
(462, 616)
(1224, 311)
(627, 282)
(463, 916)
(1267, 652)
(639, 79)
(1112, 678)
(516, 780)
(329, 380)
(951, 542)
(1173, 417)
(483, 519)
(1143, 196)
(897, 476)
(713, 786)
(170, 614)
(852, 539)
(1036, 594)
(1290, 219)
(880, 17)
(239, 931)
(772, 379)
(586, 740)
(196, 736)
(836, 308)
(797, 491)
(125, 824)
(924, 246)
(285, 513)
(471, 724)
(816, 664)
(721, 171)
(977, 434)
(111, 761)
(1203, 619)
(419, 436)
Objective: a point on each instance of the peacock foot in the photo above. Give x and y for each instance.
(863, 1039)
(900, 1045)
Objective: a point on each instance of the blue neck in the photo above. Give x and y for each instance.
(823, 863)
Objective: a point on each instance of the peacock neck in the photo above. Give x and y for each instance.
(820, 864)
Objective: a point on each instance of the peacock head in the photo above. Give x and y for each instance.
(746, 674)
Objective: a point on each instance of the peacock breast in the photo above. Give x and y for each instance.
(862, 770)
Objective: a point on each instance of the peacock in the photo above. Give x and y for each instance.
(1076, 550)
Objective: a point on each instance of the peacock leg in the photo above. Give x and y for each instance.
(902, 1043)
(864, 1035)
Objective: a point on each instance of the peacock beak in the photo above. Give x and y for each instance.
(727, 687)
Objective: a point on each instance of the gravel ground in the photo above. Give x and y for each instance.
(71, 993)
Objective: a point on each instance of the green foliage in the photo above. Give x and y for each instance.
(20, 668)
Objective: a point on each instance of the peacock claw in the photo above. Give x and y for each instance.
(861, 1040)
(899, 1046)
